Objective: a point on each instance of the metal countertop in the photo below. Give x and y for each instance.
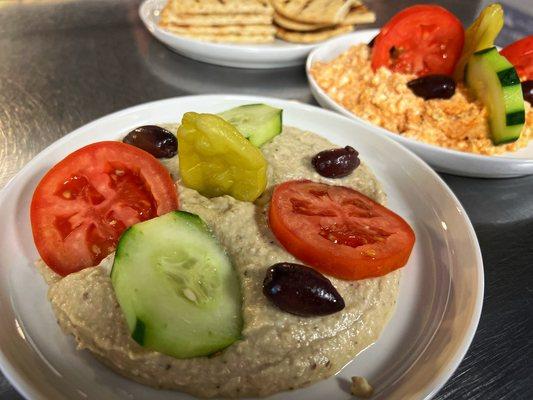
(65, 63)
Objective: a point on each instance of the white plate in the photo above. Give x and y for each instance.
(451, 161)
(441, 288)
(273, 55)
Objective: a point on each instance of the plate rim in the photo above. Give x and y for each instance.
(502, 160)
(26, 387)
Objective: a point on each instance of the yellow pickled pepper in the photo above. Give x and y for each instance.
(480, 35)
(215, 159)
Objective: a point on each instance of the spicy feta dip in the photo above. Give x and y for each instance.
(383, 98)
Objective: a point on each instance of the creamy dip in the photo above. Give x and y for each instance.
(383, 98)
(278, 351)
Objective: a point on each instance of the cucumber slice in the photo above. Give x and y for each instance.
(176, 287)
(257, 122)
(495, 82)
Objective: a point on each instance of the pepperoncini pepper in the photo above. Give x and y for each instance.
(215, 159)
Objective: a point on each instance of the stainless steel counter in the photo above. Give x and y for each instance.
(64, 63)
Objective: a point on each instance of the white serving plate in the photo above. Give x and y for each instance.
(438, 307)
(272, 55)
(507, 165)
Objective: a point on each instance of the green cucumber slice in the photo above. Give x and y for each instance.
(257, 122)
(495, 82)
(176, 287)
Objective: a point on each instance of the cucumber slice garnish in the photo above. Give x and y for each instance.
(495, 82)
(176, 287)
(257, 122)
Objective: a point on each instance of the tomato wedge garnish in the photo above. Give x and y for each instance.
(520, 54)
(338, 230)
(85, 202)
(420, 40)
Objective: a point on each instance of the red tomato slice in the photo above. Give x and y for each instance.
(84, 203)
(338, 230)
(520, 54)
(421, 40)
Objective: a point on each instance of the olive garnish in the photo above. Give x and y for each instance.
(336, 163)
(301, 290)
(153, 139)
(527, 91)
(433, 87)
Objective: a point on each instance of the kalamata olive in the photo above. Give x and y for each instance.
(433, 87)
(527, 91)
(336, 163)
(301, 290)
(153, 139)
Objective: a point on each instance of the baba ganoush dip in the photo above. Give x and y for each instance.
(383, 98)
(278, 351)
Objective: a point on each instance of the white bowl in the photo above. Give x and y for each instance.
(507, 165)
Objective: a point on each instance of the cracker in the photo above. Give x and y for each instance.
(315, 11)
(230, 38)
(213, 19)
(221, 7)
(312, 36)
(242, 30)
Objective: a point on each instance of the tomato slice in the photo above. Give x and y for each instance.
(338, 230)
(520, 54)
(420, 40)
(84, 203)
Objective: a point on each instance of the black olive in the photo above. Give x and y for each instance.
(527, 91)
(433, 87)
(336, 163)
(153, 139)
(301, 290)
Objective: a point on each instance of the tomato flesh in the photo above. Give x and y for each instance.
(420, 40)
(339, 231)
(520, 54)
(84, 203)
